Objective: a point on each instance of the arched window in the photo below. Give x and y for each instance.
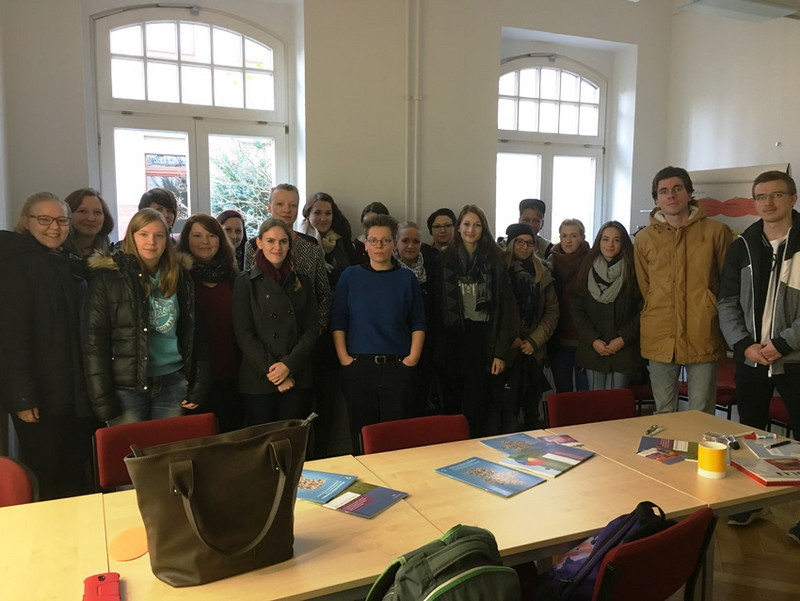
(550, 125)
(192, 101)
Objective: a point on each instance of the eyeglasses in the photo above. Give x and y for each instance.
(773, 196)
(47, 220)
(521, 242)
(379, 241)
(443, 226)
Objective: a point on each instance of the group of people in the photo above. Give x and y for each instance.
(275, 326)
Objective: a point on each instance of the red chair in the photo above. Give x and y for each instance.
(779, 415)
(587, 406)
(726, 387)
(643, 393)
(413, 432)
(17, 483)
(653, 568)
(113, 443)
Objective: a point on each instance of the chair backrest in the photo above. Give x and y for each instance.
(113, 443)
(586, 406)
(653, 568)
(17, 483)
(413, 432)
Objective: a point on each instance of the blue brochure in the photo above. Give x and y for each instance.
(321, 487)
(493, 477)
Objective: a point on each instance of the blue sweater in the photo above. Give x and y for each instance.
(378, 310)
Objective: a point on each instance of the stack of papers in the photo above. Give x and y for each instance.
(346, 494)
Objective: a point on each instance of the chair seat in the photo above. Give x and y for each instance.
(17, 484)
(779, 415)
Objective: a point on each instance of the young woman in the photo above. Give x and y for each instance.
(276, 325)
(323, 219)
(566, 257)
(91, 221)
(213, 271)
(478, 319)
(143, 357)
(535, 293)
(233, 224)
(606, 303)
(42, 385)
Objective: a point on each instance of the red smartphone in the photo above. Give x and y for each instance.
(102, 587)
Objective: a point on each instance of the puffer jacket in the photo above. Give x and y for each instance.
(742, 297)
(116, 339)
(678, 270)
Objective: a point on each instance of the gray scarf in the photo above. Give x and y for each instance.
(605, 279)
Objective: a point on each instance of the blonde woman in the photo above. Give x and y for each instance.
(142, 359)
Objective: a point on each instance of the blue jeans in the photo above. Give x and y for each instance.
(162, 398)
(599, 380)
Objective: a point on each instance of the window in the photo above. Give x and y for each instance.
(191, 102)
(550, 131)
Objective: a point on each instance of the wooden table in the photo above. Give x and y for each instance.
(535, 523)
(48, 548)
(619, 439)
(335, 554)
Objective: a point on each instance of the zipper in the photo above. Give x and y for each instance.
(451, 583)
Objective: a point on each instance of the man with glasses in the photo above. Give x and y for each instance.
(378, 326)
(678, 259)
(759, 308)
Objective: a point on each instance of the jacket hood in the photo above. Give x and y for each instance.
(13, 244)
(113, 261)
(696, 213)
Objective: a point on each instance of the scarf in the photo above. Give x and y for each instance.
(276, 273)
(606, 278)
(459, 269)
(526, 291)
(328, 241)
(210, 271)
(417, 268)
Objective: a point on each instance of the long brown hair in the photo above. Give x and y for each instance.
(225, 253)
(626, 251)
(168, 265)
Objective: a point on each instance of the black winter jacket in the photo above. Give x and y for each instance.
(116, 334)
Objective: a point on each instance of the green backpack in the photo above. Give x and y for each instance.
(463, 565)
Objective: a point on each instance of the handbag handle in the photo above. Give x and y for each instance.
(181, 475)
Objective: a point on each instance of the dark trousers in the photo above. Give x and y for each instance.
(754, 389)
(564, 368)
(377, 393)
(523, 384)
(225, 403)
(326, 386)
(295, 403)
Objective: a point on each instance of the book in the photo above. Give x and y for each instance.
(777, 471)
(667, 450)
(564, 439)
(495, 478)
(511, 444)
(321, 487)
(761, 448)
(547, 459)
(364, 499)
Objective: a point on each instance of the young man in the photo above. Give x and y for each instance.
(678, 258)
(531, 212)
(378, 327)
(759, 308)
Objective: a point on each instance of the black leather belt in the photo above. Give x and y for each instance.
(378, 359)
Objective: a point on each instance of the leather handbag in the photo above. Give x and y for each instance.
(221, 505)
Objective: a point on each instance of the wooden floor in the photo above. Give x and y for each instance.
(758, 562)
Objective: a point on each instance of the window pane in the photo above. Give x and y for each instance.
(228, 88)
(506, 114)
(518, 176)
(196, 85)
(549, 84)
(127, 40)
(529, 83)
(196, 43)
(257, 56)
(127, 79)
(508, 84)
(568, 119)
(528, 115)
(574, 190)
(589, 120)
(548, 117)
(227, 48)
(162, 82)
(162, 40)
(589, 92)
(570, 87)
(259, 91)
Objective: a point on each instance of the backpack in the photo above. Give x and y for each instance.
(573, 575)
(463, 565)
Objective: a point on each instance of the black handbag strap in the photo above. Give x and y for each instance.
(181, 475)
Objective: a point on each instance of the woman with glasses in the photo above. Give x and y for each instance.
(91, 221)
(535, 293)
(276, 324)
(442, 226)
(478, 320)
(605, 309)
(378, 326)
(42, 385)
(143, 356)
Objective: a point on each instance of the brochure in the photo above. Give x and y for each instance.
(493, 477)
(564, 439)
(547, 459)
(766, 449)
(321, 487)
(365, 500)
(511, 444)
(778, 471)
(667, 450)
